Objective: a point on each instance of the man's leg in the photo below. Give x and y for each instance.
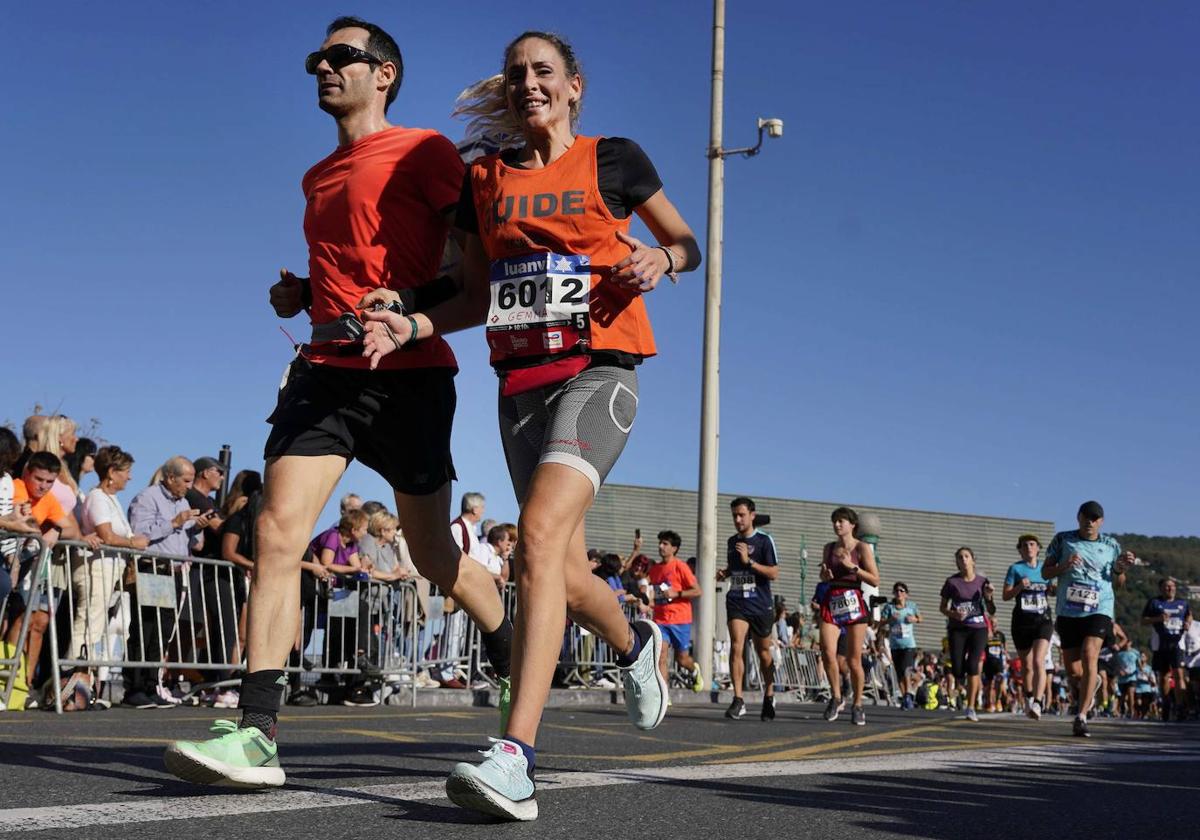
(295, 490)
(425, 521)
(1088, 672)
(766, 664)
(738, 628)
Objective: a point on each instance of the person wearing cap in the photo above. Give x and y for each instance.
(210, 474)
(1088, 564)
(1032, 621)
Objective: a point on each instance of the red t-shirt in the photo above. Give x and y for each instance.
(374, 219)
(675, 574)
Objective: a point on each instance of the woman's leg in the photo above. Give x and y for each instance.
(553, 511)
(854, 643)
(829, 641)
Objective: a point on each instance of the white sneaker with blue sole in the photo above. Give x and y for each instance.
(499, 785)
(646, 694)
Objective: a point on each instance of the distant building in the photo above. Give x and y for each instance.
(915, 546)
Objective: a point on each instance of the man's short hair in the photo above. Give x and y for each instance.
(345, 503)
(380, 44)
(499, 532)
(47, 461)
(671, 537)
(371, 508)
(742, 501)
(174, 467)
(1024, 538)
(470, 501)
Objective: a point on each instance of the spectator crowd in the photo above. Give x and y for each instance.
(192, 512)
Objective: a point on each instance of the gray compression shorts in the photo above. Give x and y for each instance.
(582, 423)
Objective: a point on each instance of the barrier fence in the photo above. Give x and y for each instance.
(108, 610)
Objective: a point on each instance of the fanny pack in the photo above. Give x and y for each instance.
(521, 380)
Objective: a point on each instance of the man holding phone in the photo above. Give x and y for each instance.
(162, 513)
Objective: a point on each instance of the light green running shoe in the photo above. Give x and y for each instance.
(499, 785)
(697, 679)
(504, 701)
(646, 696)
(239, 758)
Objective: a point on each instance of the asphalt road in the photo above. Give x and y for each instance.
(366, 773)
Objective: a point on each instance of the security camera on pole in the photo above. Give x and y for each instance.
(706, 543)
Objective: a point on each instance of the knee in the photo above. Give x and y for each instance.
(278, 539)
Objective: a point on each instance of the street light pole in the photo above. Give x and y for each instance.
(706, 514)
(710, 397)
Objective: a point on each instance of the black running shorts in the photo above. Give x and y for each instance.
(903, 659)
(1072, 631)
(1024, 635)
(397, 422)
(1166, 658)
(762, 625)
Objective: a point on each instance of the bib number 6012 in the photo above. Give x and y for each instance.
(527, 292)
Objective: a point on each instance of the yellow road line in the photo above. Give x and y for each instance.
(836, 745)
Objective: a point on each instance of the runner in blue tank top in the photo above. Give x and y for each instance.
(1032, 624)
(1088, 564)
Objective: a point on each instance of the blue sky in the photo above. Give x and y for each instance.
(964, 279)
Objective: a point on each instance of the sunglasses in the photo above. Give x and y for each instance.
(338, 56)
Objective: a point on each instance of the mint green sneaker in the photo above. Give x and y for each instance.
(504, 701)
(646, 694)
(697, 679)
(239, 758)
(499, 786)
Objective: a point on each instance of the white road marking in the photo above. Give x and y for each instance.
(235, 803)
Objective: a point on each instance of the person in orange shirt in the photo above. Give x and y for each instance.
(377, 214)
(551, 268)
(675, 587)
(31, 493)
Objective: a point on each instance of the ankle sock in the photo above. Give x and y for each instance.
(641, 635)
(528, 751)
(259, 699)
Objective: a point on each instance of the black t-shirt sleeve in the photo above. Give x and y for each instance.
(464, 217)
(625, 175)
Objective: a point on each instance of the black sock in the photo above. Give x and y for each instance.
(498, 647)
(259, 700)
(641, 635)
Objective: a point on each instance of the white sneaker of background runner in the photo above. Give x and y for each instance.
(645, 689)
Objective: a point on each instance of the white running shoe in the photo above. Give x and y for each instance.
(645, 689)
(499, 785)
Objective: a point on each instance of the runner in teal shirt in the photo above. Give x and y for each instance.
(1088, 564)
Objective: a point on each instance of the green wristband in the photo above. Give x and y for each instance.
(412, 323)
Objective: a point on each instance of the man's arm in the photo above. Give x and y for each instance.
(146, 518)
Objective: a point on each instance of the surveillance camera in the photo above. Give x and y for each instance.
(774, 127)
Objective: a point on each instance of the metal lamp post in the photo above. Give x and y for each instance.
(706, 548)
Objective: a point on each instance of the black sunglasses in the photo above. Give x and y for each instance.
(338, 56)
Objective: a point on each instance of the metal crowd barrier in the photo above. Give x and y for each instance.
(28, 557)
